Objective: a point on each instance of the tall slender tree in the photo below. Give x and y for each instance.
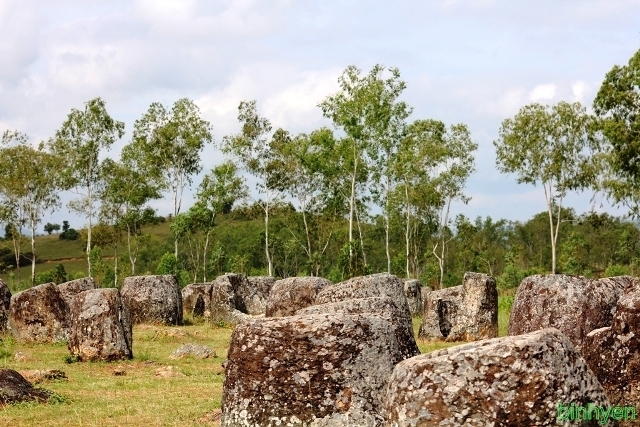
(252, 148)
(125, 199)
(30, 184)
(170, 143)
(353, 110)
(217, 193)
(549, 145)
(458, 166)
(80, 139)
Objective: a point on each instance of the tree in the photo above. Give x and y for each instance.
(449, 186)
(617, 106)
(128, 189)
(417, 166)
(549, 145)
(252, 148)
(217, 193)
(389, 127)
(354, 110)
(308, 175)
(79, 141)
(170, 143)
(30, 183)
(50, 228)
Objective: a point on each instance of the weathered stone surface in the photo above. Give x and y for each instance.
(39, 315)
(292, 294)
(613, 353)
(223, 298)
(5, 300)
(440, 310)
(319, 369)
(68, 290)
(254, 296)
(573, 304)
(153, 299)
(509, 381)
(193, 350)
(374, 285)
(413, 292)
(15, 389)
(100, 326)
(382, 306)
(169, 372)
(477, 317)
(36, 376)
(196, 299)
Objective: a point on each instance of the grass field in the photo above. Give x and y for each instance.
(93, 396)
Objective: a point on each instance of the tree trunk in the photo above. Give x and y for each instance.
(204, 257)
(90, 206)
(553, 241)
(132, 259)
(306, 231)
(386, 226)
(364, 253)
(33, 253)
(407, 229)
(352, 200)
(16, 249)
(266, 236)
(115, 265)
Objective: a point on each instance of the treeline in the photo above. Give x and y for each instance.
(372, 194)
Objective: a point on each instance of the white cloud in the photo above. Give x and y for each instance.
(506, 105)
(543, 92)
(285, 96)
(579, 90)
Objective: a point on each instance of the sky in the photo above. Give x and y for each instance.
(475, 62)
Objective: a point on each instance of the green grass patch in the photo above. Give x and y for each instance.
(94, 396)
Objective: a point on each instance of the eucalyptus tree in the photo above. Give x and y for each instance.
(388, 129)
(308, 173)
(432, 166)
(217, 193)
(187, 227)
(449, 186)
(617, 106)
(354, 110)
(170, 143)
(252, 148)
(125, 199)
(551, 146)
(80, 139)
(29, 186)
(417, 166)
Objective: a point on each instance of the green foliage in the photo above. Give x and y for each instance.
(549, 145)
(69, 359)
(79, 141)
(617, 270)
(168, 264)
(511, 276)
(168, 145)
(59, 274)
(50, 228)
(617, 105)
(70, 234)
(44, 277)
